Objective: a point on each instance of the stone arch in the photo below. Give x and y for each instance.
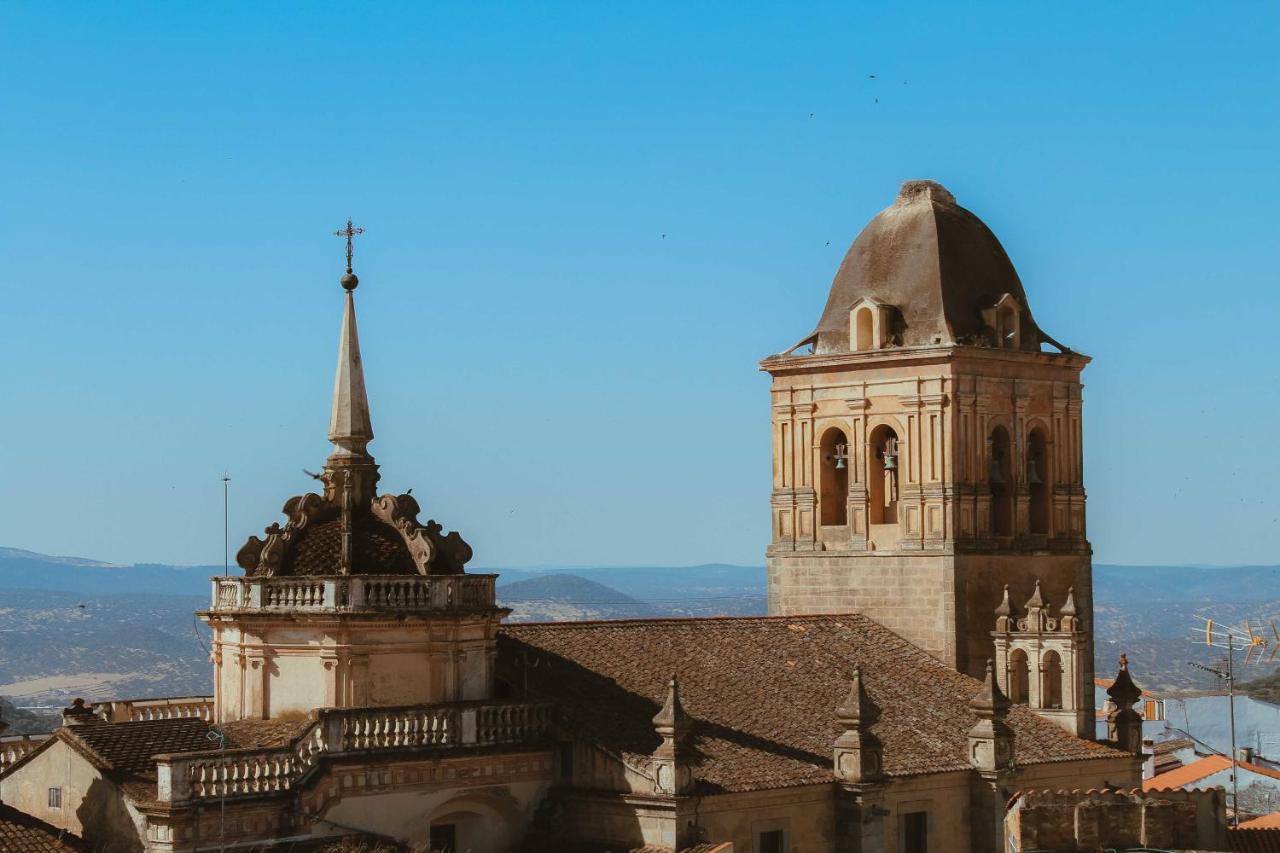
(478, 822)
(864, 327)
(1039, 478)
(1019, 677)
(883, 469)
(1051, 680)
(833, 480)
(1000, 480)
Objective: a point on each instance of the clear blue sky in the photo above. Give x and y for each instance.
(555, 378)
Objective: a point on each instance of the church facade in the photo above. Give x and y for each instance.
(928, 565)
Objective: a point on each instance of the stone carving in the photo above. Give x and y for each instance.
(262, 557)
(401, 512)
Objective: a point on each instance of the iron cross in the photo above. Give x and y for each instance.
(348, 232)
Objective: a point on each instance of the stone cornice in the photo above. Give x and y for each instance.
(777, 365)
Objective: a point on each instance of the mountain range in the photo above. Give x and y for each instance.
(79, 627)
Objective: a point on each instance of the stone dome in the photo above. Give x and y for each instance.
(377, 549)
(935, 266)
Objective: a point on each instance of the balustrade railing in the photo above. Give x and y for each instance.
(372, 592)
(214, 774)
(14, 747)
(169, 708)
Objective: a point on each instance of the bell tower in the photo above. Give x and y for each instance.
(927, 441)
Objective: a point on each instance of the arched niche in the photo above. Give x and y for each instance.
(833, 481)
(1038, 480)
(1019, 677)
(1051, 680)
(882, 475)
(864, 329)
(1000, 482)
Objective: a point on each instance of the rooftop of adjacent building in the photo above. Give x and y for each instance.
(22, 833)
(762, 693)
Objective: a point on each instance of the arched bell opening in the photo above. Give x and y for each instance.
(882, 475)
(999, 481)
(1038, 480)
(864, 330)
(1019, 677)
(834, 479)
(1051, 680)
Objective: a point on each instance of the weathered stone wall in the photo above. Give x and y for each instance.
(92, 806)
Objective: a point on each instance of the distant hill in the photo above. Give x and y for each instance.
(562, 598)
(29, 570)
(23, 722)
(137, 634)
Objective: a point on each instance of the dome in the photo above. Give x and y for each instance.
(935, 268)
(376, 549)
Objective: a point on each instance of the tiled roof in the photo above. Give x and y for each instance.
(128, 747)
(22, 833)
(377, 549)
(763, 693)
(1162, 747)
(1267, 821)
(1197, 770)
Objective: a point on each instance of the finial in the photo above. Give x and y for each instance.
(1123, 691)
(1068, 607)
(1005, 608)
(349, 281)
(857, 709)
(1036, 600)
(990, 700)
(672, 715)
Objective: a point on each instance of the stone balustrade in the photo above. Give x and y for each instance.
(216, 774)
(170, 708)
(398, 593)
(14, 747)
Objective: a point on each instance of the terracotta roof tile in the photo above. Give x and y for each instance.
(128, 747)
(1267, 821)
(1187, 774)
(763, 693)
(22, 833)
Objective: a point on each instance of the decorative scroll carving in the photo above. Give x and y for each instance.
(401, 512)
(262, 557)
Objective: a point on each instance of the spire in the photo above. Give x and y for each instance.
(673, 774)
(1124, 724)
(857, 709)
(1005, 608)
(1036, 600)
(859, 755)
(350, 427)
(990, 701)
(672, 718)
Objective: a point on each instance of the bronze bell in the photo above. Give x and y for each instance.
(996, 477)
(840, 455)
(1033, 472)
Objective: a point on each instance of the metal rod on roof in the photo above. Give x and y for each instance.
(226, 526)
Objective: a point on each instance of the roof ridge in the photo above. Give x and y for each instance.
(595, 623)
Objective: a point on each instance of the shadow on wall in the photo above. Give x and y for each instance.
(108, 827)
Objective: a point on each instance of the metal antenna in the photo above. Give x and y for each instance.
(226, 525)
(1233, 640)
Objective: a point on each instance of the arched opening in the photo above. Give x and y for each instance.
(1051, 681)
(834, 482)
(1007, 327)
(999, 482)
(882, 475)
(864, 330)
(1038, 480)
(1019, 676)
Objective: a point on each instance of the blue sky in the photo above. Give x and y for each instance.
(555, 377)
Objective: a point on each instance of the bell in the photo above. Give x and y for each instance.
(996, 477)
(840, 463)
(1033, 473)
(840, 455)
(890, 462)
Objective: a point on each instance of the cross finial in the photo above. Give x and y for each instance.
(349, 232)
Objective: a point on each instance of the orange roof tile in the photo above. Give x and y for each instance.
(1267, 821)
(1197, 770)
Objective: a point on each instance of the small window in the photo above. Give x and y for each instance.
(915, 832)
(444, 838)
(772, 841)
(55, 798)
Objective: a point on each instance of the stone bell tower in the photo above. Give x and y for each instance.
(926, 445)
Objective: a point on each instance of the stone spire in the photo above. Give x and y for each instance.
(672, 773)
(991, 740)
(350, 427)
(1124, 725)
(859, 755)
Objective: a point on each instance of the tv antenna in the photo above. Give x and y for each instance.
(1253, 641)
